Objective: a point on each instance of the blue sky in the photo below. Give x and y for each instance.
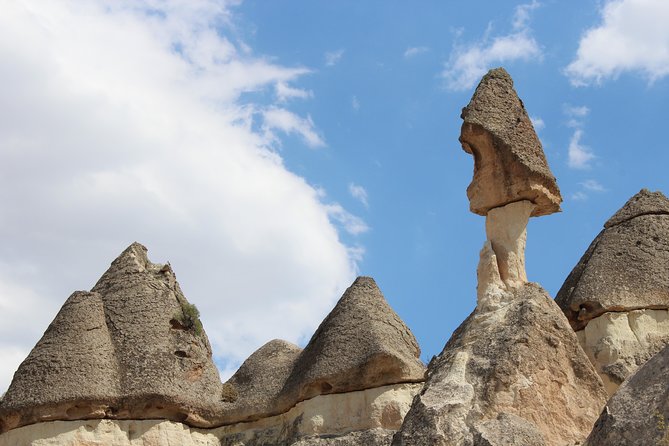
(273, 150)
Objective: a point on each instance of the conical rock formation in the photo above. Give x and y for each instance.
(133, 348)
(617, 296)
(638, 413)
(516, 374)
(509, 162)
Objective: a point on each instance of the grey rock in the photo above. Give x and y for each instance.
(360, 345)
(255, 388)
(638, 413)
(626, 267)
(131, 349)
(521, 359)
(507, 430)
(371, 437)
(509, 162)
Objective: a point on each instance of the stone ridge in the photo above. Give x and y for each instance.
(626, 267)
(127, 350)
(509, 162)
(644, 202)
(516, 373)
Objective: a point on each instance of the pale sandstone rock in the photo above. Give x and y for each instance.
(370, 415)
(638, 413)
(509, 162)
(520, 365)
(618, 343)
(121, 351)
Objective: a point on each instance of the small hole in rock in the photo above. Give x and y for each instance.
(326, 387)
(181, 354)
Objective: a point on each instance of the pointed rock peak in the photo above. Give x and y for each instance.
(361, 344)
(509, 162)
(643, 203)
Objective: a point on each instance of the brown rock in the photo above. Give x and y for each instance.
(133, 348)
(617, 296)
(509, 162)
(626, 267)
(361, 344)
(638, 413)
(256, 386)
(518, 368)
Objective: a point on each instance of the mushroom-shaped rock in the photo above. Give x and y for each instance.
(638, 413)
(133, 348)
(513, 376)
(360, 345)
(617, 296)
(509, 162)
(253, 391)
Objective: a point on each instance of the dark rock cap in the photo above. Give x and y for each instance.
(626, 267)
(360, 345)
(509, 162)
(133, 348)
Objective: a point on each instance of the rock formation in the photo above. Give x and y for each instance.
(513, 373)
(617, 296)
(509, 162)
(129, 349)
(638, 413)
(133, 349)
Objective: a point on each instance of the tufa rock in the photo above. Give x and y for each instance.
(638, 413)
(361, 344)
(133, 348)
(617, 296)
(515, 375)
(255, 388)
(509, 162)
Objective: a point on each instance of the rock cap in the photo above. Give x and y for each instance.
(644, 202)
(509, 162)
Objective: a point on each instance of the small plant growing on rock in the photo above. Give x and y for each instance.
(190, 317)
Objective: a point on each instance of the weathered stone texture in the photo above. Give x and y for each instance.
(125, 350)
(509, 162)
(520, 365)
(638, 413)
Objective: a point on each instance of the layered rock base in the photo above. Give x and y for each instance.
(342, 419)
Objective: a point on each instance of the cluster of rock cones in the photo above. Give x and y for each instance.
(129, 363)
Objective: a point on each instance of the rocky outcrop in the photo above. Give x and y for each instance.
(507, 375)
(132, 348)
(617, 296)
(509, 162)
(513, 373)
(637, 414)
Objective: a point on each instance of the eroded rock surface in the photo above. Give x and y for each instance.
(638, 413)
(625, 270)
(509, 162)
(367, 417)
(125, 350)
(518, 368)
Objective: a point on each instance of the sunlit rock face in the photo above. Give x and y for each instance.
(617, 296)
(509, 162)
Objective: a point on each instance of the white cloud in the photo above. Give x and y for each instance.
(633, 37)
(593, 186)
(579, 196)
(352, 224)
(332, 58)
(538, 123)
(468, 63)
(285, 92)
(415, 51)
(359, 193)
(119, 125)
(288, 122)
(576, 111)
(579, 155)
(355, 103)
